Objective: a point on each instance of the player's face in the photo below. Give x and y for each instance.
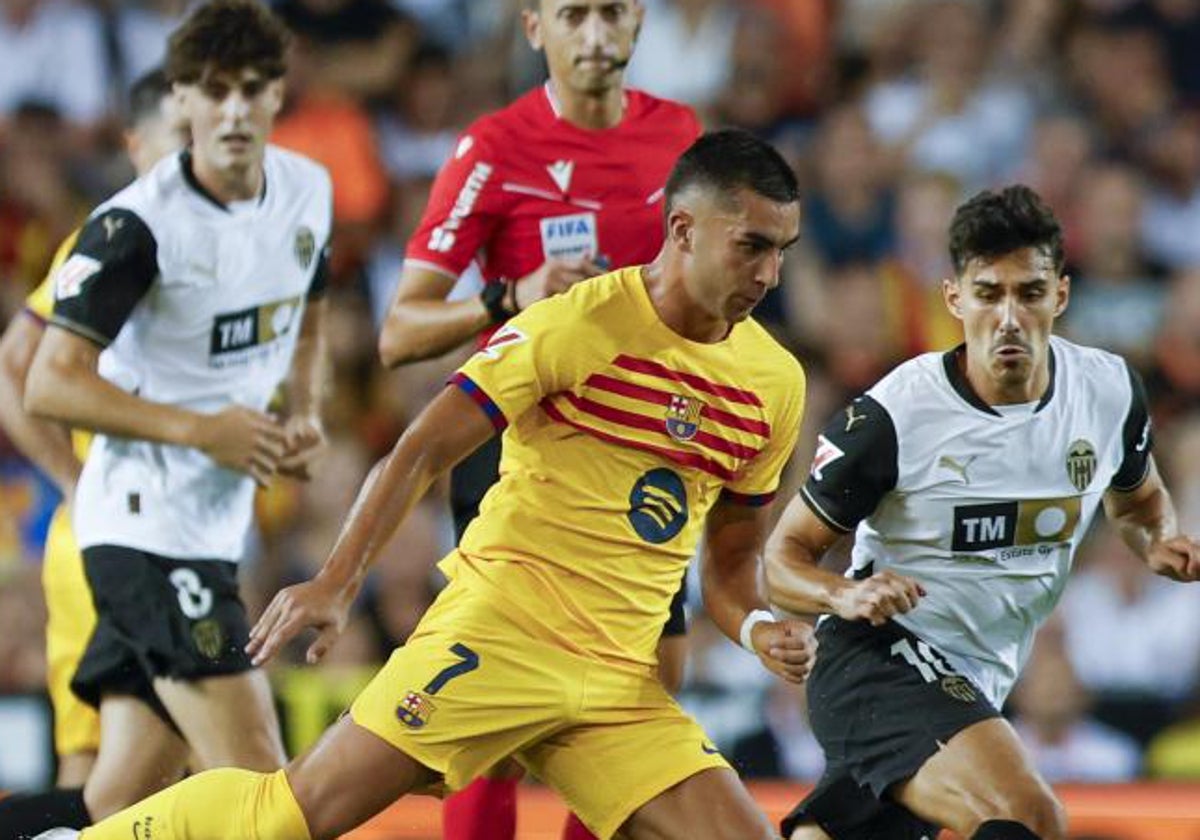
(737, 249)
(587, 42)
(230, 114)
(1008, 306)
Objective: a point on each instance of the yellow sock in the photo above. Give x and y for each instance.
(225, 804)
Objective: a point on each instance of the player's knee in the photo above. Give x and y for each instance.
(1034, 810)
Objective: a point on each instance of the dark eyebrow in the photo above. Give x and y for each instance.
(763, 241)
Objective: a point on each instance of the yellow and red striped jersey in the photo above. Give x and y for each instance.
(619, 435)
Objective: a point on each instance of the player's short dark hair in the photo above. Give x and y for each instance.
(729, 160)
(227, 36)
(994, 223)
(146, 96)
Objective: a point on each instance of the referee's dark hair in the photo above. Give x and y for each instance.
(729, 160)
(227, 36)
(146, 96)
(993, 223)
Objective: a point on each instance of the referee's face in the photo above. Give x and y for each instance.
(1008, 306)
(588, 43)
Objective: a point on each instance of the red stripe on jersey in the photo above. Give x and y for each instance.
(687, 459)
(656, 424)
(725, 392)
(653, 395)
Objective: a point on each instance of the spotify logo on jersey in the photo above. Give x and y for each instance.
(658, 506)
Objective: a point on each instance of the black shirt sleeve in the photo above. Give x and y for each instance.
(112, 265)
(1137, 438)
(854, 466)
(320, 280)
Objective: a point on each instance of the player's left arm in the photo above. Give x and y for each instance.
(303, 428)
(733, 539)
(1145, 519)
(1138, 503)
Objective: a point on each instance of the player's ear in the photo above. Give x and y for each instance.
(952, 295)
(680, 224)
(1062, 295)
(275, 89)
(531, 23)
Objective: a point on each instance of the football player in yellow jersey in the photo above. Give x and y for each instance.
(641, 409)
(154, 130)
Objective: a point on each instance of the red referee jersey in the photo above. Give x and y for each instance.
(525, 185)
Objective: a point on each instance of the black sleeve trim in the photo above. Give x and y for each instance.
(855, 465)
(320, 279)
(1137, 437)
(109, 270)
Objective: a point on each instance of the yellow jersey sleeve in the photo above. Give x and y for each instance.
(757, 482)
(535, 354)
(40, 302)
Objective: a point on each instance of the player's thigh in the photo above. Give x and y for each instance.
(983, 773)
(350, 775)
(710, 805)
(228, 720)
(140, 754)
(461, 697)
(623, 752)
(808, 832)
(70, 620)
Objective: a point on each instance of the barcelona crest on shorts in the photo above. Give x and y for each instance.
(415, 710)
(683, 417)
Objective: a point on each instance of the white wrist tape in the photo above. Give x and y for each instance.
(752, 618)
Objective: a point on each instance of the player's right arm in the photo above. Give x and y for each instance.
(113, 264)
(466, 206)
(854, 466)
(45, 443)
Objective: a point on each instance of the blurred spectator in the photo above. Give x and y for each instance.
(52, 54)
(359, 47)
(1051, 717)
(948, 114)
(1059, 155)
(849, 215)
(140, 30)
(1132, 637)
(1119, 75)
(416, 129)
(1172, 213)
(38, 206)
(1174, 381)
(914, 273)
(807, 55)
(692, 36)
(784, 747)
(1110, 269)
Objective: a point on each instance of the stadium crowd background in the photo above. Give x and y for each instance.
(892, 111)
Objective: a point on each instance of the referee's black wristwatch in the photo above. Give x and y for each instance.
(500, 300)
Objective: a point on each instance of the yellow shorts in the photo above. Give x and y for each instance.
(469, 690)
(71, 617)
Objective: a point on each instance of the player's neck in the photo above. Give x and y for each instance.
(676, 308)
(585, 110)
(994, 392)
(228, 185)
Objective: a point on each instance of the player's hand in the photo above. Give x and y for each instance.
(877, 598)
(304, 443)
(1177, 558)
(786, 648)
(315, 603)
(554, 276)
(240, 438)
